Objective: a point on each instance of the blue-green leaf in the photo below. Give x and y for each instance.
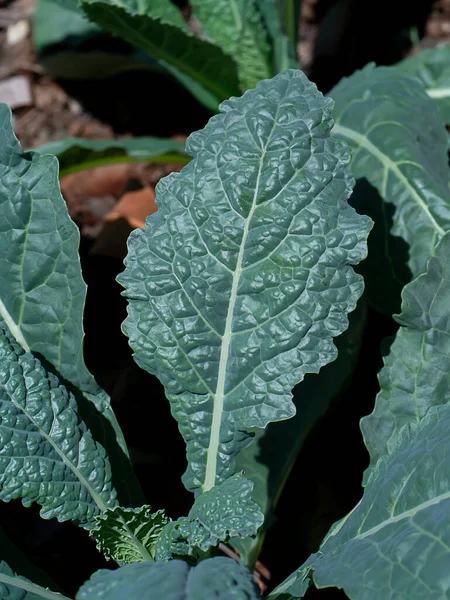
(416, 372)
(432, 68)
(224, 512)
(219, 578)
(395, 544)
(399, 157)
(47, 455)
(15, 587)
(42, 292)
(242, 278)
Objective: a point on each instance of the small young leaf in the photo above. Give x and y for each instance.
(200, 66)
(129, 535)
(15, 587)
(224, 512)
(416, 372)
(78, 154)
(400, 147)
(242, 278)
(219, 578)
(47, 455)
(237, 27)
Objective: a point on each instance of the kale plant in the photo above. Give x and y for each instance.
(239, 290)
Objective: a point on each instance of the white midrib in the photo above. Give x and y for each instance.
(13, 327)
(214, 440)
(439, 92)
(404, 515)
(33, 588)
(362, 140)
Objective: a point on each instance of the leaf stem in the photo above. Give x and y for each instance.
(33, 588)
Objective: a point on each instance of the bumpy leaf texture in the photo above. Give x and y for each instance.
(219, 578)
(395, 544)
(47, 455)
(399, 157)
(242, 278)
(42, 292)
(237, 27)
(129, 535)
(224, 512)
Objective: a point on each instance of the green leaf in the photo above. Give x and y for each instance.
(54, 23)
(416, 372)
(14, 587)
(219, 578)
(129, 535)
(42, 292)
(268, 461)
(78, 154)
(236, 26)
(224, 512)
(242, 278)
(47, 453)
(400, 147)
(396, 541)
(432, 68)
(281, 19)
(202, 67)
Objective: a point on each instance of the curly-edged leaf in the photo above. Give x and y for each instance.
(129, 535)
(200, 66)
(15, 587)
(224, 512)
(42, 292)
(281, 18)
(47, 454)
(242, 278)
(396, 543)
(269, 460)
(78, 154)
(237, 27)
(219, 578)
(432, 68)
(416, 372)
(400, 147)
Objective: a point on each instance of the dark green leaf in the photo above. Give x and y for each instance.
(236, 26)
(224, 512)
(77, 154)
(280, 17)
(243, 276)
(42, 292)
(14, 587)
(47, 455)
(268, 461)
(200, 66)
(416, 372)
(219, 578)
